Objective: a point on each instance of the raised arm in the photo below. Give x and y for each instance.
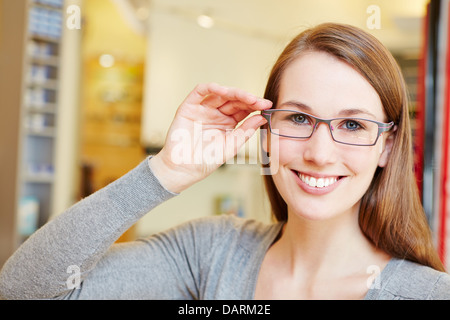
(79, 240)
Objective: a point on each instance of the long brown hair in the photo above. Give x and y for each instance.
(391, 214)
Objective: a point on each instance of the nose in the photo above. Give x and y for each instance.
(320, 149)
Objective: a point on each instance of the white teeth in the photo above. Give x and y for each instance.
(320, 183)
(317, 182)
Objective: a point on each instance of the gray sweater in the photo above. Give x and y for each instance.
(73, 256)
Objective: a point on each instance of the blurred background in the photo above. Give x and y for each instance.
(89, 89)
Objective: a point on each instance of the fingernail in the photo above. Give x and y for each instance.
(267, 101)
(263, 101)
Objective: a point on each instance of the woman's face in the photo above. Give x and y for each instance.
(323, 86)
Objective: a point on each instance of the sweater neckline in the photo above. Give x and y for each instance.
(273, 235)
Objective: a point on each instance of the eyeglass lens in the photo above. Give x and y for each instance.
(345, 130)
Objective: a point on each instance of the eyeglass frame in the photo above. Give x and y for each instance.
(382, 127)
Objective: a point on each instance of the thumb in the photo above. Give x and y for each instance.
(239, 136)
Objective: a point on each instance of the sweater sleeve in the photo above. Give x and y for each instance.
(78, 240)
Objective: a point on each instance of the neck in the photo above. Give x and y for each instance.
(331, 247)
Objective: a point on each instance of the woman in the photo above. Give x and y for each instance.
(390, 213)
(350, 225)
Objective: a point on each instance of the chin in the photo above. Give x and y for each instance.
(311, 216)
(313, 212)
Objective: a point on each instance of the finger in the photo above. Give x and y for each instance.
(239, 116)
(253, 123)
(238, 137)
(231, 99)
(202, 91)
(232, 107)
(236, 94)
(215, 96)
(214, 101)
(252, 101)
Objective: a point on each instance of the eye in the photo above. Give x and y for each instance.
(352, 125)
(300, 118)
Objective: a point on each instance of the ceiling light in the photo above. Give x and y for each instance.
(205, 21)
(106, 60)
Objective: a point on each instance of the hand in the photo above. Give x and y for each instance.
(203, 134)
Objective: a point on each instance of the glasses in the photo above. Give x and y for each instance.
(299, 125)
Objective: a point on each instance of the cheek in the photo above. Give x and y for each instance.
(361, 161)
(285, 151)
(362, 166)
(282, 152)
(364, 160)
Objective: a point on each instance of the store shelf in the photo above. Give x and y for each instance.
(39, 178)
(39, 109)
(40, 63)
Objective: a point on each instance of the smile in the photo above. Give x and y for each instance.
(316, 182)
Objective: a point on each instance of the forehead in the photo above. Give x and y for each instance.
(328, 86)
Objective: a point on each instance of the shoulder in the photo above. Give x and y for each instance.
(232, 227)
(227, 233)
(228, 251)
(403, 279)
(211, 230)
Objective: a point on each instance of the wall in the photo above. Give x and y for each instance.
(182, 54)
(67, 142)
(106, 31)
(111, 100)
(12, 45)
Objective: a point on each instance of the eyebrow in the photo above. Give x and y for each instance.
(343, 113)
